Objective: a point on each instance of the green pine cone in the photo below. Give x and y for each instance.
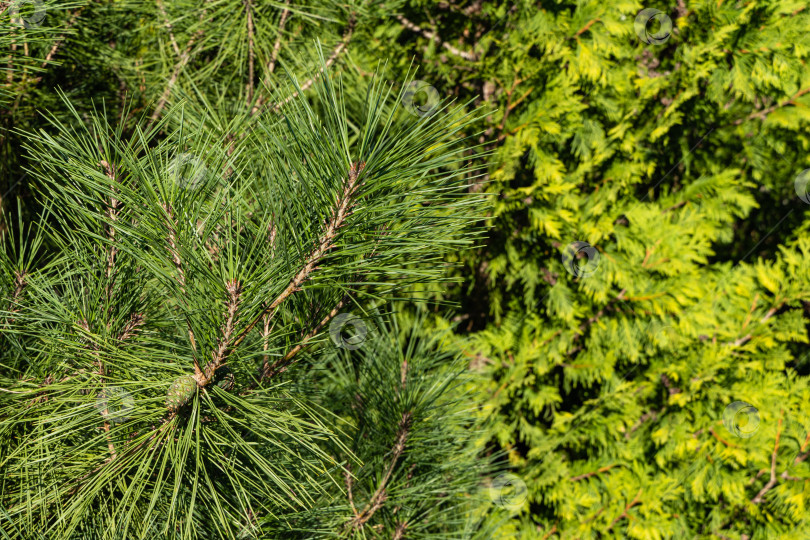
(181, 391)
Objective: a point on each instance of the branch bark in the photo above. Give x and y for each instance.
(332, 57)
(380, 495)
(184, 58)
(772, 481)
(249, 12)
(325, 243)
(435, 38)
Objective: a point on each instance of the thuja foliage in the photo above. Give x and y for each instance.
(155, 313)
(669, 160)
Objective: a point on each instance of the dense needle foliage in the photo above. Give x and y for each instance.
(633, 322)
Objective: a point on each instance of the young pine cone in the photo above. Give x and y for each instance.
(181, 392)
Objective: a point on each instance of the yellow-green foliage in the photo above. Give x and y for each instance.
(677, 163)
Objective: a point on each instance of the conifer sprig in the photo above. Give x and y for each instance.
(184, 259)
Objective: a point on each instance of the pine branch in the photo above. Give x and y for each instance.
(271, 66)
(112, 215)
(135, 321)
(249, 12)
(304, 87)
(19, 286)
(178, 264)
(380, 495)
(204, 377)
(271, 241)
(184, 58)
(435, 38)
(169, 27)
(325, 243)
(61, 38)
(399, 532)
(281, 365)
(347, 474)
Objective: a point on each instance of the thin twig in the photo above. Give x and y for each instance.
(435, 38)
(249, 12)
(592, 473)
(112, 214)
(772, 481)
(329, 61)
(184, 58)
(277, 47)
(178, 264)
(168, 25)
(19, 286)
(325, 243)
(399, 532)
(762, 115)
(627, 507)
(281, 365)
(349, 483)
(271, 240)
(234, 290)
(135, 321)
(273, 56)
(61, 38)
(380, 495)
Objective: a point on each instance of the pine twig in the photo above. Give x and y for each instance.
(304, 87)
(102, 372)
(277, 46)
(178, 264)
(349, 483)
(271, 240)
(135, 321)
(169, 27)
(380, 495)
(436, 39)
(58, 43)
(19, 286)
(203, 377)
(325, 243)
(249, 12)
(112, 214)
(271, 66)
(399, 532)
(184, 58)
(281, 365)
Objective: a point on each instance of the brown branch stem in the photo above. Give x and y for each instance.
(329, 61)
(436, 39)
(380, 495)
